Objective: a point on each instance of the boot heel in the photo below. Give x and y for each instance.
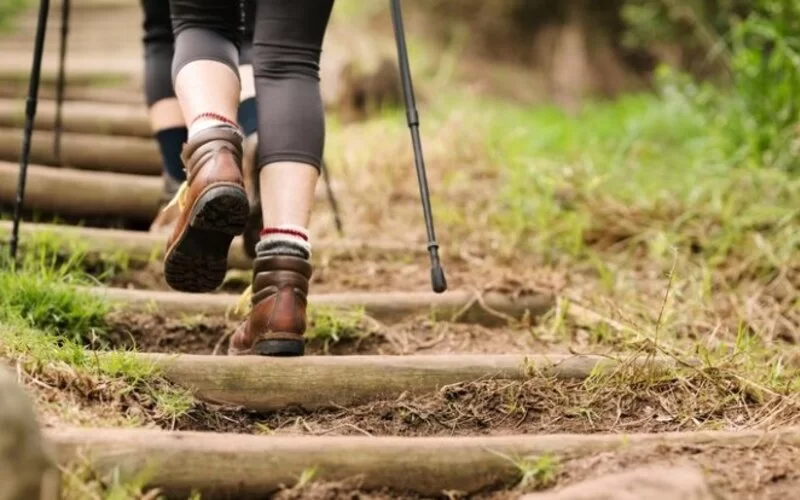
(280, 347)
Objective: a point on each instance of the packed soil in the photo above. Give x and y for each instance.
(202, 335)
(332, 275)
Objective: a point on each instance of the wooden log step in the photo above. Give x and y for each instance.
(19, 90)
(85, 117)
(128, 155)
(461, 306)
(80, 69)
(240, 466)
(140, 246)
(315, 382)
(85, 193)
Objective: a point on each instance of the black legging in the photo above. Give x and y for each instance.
(286, 50)
(159, 46)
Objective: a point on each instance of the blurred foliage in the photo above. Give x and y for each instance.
(8, 9)
(758, 113)
(749, 48)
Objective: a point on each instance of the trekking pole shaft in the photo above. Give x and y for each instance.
(412, 118)
(30, 115)
(326, 177)
(61, 83)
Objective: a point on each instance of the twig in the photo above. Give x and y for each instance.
(221, 341)
(666, 295)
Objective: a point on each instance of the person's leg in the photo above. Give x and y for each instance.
(213, 202)
(249, 122)
(291, 126)
(166, 119)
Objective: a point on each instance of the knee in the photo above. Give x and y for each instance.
(282, 62)
(203, 45)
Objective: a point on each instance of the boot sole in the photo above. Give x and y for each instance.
(279, 347)
(197, 263)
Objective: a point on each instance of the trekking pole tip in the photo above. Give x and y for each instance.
(437, 278)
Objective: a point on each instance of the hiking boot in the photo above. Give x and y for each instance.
(277, 318)
(255, 222)
(213, 210)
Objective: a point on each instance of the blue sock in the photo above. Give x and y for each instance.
(170, 143)
(248, 116)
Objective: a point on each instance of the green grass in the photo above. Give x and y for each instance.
(639, 167)
(40, 293)
(45, 327)
(46, 324)
(329, 326)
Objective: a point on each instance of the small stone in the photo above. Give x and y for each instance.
(652, 483)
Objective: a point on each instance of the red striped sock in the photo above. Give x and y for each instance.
(285, 239)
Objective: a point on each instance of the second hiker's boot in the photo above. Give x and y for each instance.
(277, 318)
(213, 209)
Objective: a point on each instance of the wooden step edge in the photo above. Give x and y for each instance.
(85, 193)
(237, 465)
(84, 117)
(314, 382)
(82, 193)
(106, 153)
(490, 308)
(142, 247)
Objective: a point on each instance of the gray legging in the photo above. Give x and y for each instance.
(287, 43)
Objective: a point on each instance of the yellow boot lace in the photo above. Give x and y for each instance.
(179, 198)
(243, 304)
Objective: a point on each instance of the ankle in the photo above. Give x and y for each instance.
(284, 240)
(205, 121)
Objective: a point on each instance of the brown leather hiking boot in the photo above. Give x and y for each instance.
(277, 318)
(213, 209)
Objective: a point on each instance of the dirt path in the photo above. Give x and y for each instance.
(396, 378)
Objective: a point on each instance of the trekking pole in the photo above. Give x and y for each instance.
(30, 114)
(61, 82)
(326, 176)
(437, 273)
